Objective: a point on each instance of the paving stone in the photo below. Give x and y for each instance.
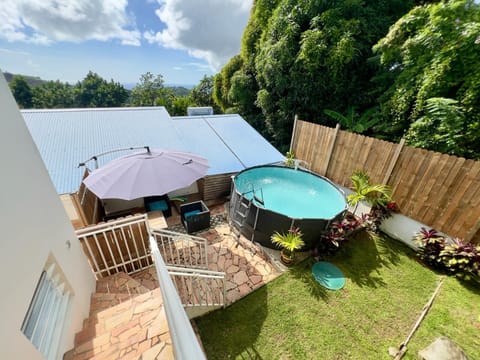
(232, 269)
(119, 330)
(159, 326)
(240, 278)
(154, 352)
(244, 290)
(255, 279)
(148, 317)
(227, 264)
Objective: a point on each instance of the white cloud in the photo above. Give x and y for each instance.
(207, 29)
(45, 21)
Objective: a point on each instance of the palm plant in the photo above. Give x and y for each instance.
(354, 122)
(289, 242)
(375, 195)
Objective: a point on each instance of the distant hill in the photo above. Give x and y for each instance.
(179, 90)
(32, 81)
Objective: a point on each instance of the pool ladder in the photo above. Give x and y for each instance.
(241, 211)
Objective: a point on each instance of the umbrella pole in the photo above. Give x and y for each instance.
(95, 157)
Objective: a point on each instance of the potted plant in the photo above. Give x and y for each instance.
(289, 242)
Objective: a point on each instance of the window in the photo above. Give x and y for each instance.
(45, 317)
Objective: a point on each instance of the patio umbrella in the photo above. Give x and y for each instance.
(154, 172)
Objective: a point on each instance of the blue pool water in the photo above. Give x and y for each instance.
(294, 193)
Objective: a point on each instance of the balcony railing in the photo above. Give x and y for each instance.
(185, 343)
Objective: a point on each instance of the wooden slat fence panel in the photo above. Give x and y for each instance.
(320, 139)
(440, 190)
(90, 203)
(215, 186)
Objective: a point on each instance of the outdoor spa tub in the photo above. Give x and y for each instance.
(266, 199)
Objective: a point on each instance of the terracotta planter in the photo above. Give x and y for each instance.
(285, 258)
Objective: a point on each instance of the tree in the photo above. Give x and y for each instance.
(53, 94)
(354, 122)
(148, 91)
(433, 52)
(300, 57)
(202, 94)
(94, 91)
(442, 127)
(179, 105)
(21, 91)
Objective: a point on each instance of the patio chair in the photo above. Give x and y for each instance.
(155, 203)
(195, 216)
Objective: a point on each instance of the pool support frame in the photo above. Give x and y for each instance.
(261, 223)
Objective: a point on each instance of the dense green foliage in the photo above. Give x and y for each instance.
(21, 91)
(202, 94)
(53, 94)
(94, 91)
(384, 68)
(431, 60)
(149, 91)
(301, 57)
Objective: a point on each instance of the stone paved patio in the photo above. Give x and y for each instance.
(245, 264)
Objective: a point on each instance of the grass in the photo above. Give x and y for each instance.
(386, 288)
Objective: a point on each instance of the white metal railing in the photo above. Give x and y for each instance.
(198, 287)
(123, 245)
(185, 343)
(116, 246)
(181, 249)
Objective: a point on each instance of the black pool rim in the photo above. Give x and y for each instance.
(261, 222)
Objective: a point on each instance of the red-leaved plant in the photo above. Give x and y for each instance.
(461, 259)
(431, 244)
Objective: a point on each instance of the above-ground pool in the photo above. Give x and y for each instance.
(266, 199)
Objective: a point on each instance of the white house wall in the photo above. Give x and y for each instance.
(33, 225)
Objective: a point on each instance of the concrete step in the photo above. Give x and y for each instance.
(120, 283)
(147, 278)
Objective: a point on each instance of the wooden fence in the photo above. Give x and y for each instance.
(439, 190)
(90, 204)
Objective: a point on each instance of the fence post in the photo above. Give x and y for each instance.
(394, 160)
(293, 132)
(330, 150)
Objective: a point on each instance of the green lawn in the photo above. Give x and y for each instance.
(386, 288)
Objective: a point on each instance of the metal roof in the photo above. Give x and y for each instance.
(65, 137)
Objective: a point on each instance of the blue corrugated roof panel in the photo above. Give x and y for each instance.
(66, 137)
(243, 140)
(201, 139)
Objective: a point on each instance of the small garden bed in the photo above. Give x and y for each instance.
(386, 288)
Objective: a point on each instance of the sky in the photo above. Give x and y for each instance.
(183, 40)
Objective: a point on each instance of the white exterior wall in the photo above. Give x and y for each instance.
(398, 226)
(33, 224)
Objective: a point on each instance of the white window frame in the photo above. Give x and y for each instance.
(46, 315)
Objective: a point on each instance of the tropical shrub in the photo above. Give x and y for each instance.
(460, 259)
(431, 245)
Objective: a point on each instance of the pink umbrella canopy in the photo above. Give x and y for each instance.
(154, 172)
